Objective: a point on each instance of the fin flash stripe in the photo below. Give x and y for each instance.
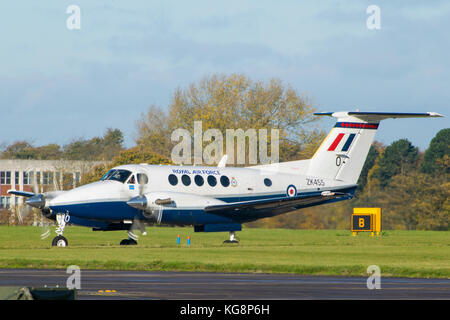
(336, 142)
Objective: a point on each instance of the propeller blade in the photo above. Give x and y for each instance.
(142, 181)
(35, 183)
(45, 233)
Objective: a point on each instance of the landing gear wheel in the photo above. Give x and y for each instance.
(232, 238)
(60, 241)
(231, 241)
(128, 242)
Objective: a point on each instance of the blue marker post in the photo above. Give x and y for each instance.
(188, 241)
(178, 240)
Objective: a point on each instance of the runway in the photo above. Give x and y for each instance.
(101, 284)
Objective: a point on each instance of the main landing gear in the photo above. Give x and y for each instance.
(131, 241)
(132, 237)
(59, 240)
(232, 238)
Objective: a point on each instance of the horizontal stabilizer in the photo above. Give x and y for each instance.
(377, 116)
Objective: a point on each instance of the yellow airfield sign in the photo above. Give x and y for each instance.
(366, 220)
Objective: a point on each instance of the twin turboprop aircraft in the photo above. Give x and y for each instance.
(214, 199)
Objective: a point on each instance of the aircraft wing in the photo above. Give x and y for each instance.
(21, 193)
(268, 207)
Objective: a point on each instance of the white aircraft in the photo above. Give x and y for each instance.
(214, 199)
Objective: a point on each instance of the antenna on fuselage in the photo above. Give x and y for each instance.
(223, 162)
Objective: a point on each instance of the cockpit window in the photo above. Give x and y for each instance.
(131, 180)
(118, 175)
(106, 176)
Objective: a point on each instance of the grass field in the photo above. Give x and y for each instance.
(319, 252)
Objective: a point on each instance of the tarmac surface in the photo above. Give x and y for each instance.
(124, 285)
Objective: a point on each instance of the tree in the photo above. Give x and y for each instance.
(49, 152)
(234, 102)
(154, 131)
(439, 150)
(20, 150)
(112, 143)
(398, 158)
(98, 148)
(415, 201)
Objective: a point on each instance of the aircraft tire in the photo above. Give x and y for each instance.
(60, 241)
(128, 242)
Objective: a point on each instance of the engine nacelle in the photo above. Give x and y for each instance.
(153, 203)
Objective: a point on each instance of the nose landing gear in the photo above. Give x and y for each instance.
(61, 220)
(60, 241)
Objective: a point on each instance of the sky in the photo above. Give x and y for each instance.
(59, 84)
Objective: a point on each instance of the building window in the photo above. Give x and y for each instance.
(173, 180)
(67, 180)
(45, 178)
(212, 181)
(186, 179)
(5, 177)
(17, 177)
(225, 181)
(77, 177)
(26, 177)
(199, 180)
(5, 202)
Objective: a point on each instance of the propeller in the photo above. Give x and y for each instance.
(142, 180)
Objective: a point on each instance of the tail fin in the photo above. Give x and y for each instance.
(342, 154)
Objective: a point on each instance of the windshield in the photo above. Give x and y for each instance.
(118, 175)
(110, 172)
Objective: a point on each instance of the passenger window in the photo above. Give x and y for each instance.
(186, 179)
(267, 182)
(225, 181)
(212, 181)
(173, 180)
(199, 180)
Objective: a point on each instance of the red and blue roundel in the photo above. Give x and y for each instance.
(291, 191)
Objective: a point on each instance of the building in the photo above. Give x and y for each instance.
(49, 174)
